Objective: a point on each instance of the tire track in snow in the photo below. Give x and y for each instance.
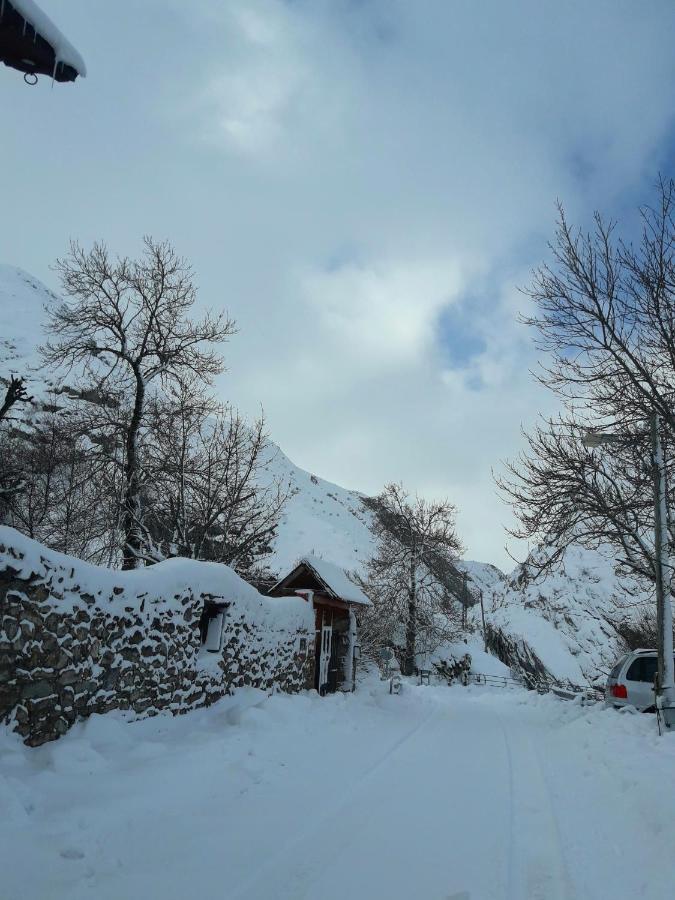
(571, 893)
(536, 867)
(512, 824)
(302, 836)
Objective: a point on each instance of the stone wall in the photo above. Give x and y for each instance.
(76, 639)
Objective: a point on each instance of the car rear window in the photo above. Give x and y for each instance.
(642, 669)
(649, 666)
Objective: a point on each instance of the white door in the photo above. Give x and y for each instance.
(324, 655)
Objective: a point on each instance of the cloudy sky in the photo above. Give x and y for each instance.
(364, 186)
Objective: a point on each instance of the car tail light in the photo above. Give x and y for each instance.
(619, 691)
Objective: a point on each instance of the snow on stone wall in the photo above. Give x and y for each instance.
(77, 639)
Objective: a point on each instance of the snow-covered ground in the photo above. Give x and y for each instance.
(438, 793)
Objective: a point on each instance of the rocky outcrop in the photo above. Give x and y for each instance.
(516, 653)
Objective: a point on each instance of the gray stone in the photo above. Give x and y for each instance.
(10, 627)
(37, 689)
(69, 676)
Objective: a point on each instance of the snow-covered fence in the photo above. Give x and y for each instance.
(77, 639)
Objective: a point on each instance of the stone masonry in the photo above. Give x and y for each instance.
(74, 642)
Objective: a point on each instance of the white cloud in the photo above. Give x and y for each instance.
(435, 156)
(382, 315)
(367, 166)
(250, 96)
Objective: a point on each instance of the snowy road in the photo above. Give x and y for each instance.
(440, 794)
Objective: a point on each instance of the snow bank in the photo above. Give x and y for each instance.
(115, 591)
(482, 663)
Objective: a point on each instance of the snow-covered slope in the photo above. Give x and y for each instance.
(22, 314)
(321, 519)
(566, 620)
(568, 617)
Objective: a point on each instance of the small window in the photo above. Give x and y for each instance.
(211, 627)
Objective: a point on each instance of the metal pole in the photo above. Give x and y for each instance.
(482, 614)
(662, 570)
(464, 601)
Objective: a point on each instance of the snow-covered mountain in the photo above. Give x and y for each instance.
(563, 625)
(22, 312)
(569, 617)
(319, 518)
(564, 622)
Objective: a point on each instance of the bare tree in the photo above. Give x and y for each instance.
(411, 579)
(605, 317)
(16, 393)
(60, 497)
(11, 475)
(127, 320)
(213, 496)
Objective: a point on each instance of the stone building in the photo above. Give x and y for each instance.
(77, 639)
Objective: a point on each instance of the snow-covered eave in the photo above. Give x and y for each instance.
(350, 599)
(332, 593)
(358, 599)
(64, 51)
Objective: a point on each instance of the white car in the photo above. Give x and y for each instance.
(631, 681)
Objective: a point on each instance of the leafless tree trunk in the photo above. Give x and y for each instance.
(411, 579)
(127, 321)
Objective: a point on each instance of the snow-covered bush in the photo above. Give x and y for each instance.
(452, 669)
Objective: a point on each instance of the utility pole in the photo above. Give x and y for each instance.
(665, 697)
(465, 598)
(665, 686)
(482, 615)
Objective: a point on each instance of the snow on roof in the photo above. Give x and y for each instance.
(63, 49)
(164, 583)
(336, 580)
